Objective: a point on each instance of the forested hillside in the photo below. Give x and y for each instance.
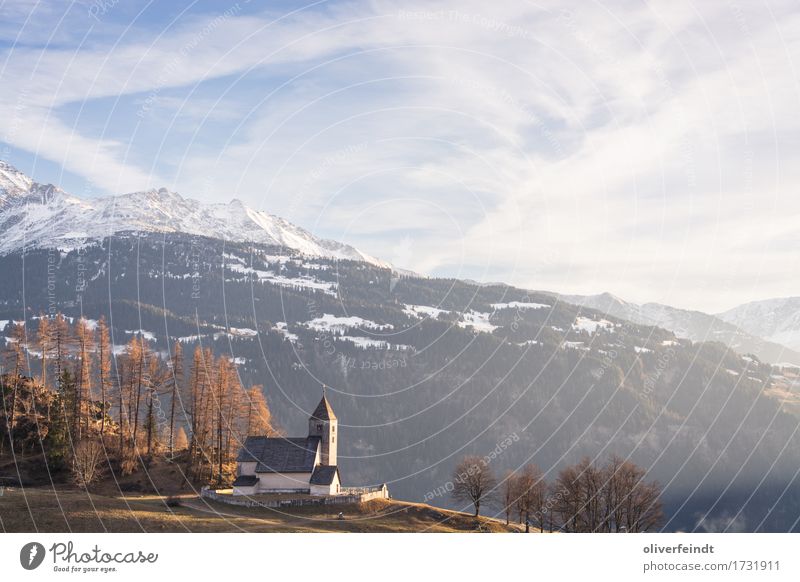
(423, 371)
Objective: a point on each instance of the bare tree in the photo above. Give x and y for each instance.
(176, 386)
(85, 338)
(61, 340)
(104, 368)
(15, 357)
(181, 442)
(633, 505)
(530, 495)
(156, 378)
(86, 462)
(45, 337)
(473, 482)
(509, 492)
(613, 498)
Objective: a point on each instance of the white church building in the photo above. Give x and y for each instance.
(292, 465)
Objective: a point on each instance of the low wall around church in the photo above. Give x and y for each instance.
(349, 495)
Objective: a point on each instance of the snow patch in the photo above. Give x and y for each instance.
(149, 336)
(520, 305)
(367, 342)
(333, 323)
(591, 326)
(478, 321)
(283, 328)
(304, 282)
(421, 311)
(244, 331)
(573, 346)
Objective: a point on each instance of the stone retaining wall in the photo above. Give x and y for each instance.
(365, 494)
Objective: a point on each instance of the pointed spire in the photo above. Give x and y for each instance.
(324, 411)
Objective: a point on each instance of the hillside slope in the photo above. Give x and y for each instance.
(423, 371)
(61, 510)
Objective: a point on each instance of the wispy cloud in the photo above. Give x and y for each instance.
(644, 149)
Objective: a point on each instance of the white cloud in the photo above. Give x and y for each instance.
(646, 150)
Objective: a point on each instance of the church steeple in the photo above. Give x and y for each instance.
(323, 423)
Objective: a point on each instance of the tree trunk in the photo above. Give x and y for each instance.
(172, 425)
(150, 423)
(13, 413)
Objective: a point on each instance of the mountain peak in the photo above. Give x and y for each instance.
(45, 221)
(12, 181)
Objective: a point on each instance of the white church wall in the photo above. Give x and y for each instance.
(331, 489)
(283, 481)
(321, 490)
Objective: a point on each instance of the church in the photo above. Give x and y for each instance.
(292, 465)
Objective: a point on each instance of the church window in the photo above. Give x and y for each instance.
(319, 427)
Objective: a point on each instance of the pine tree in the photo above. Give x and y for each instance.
(57, 442)
(67, 395)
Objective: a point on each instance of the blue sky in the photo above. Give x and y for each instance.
(647, 149)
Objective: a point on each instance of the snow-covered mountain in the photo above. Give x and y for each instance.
(34, 215)
(742, 330)
(776, 320)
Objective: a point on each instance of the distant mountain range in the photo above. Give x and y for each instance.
(776, 320)
(746, 329)
(34, 215)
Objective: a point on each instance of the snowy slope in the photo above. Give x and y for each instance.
(776, 320)
(34, 215)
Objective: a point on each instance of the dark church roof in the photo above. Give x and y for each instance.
(323, 410)
(323, 474)
(280, 455)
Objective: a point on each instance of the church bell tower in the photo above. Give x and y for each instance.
(323, 423)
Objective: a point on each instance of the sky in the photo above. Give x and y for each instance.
(647, 149)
